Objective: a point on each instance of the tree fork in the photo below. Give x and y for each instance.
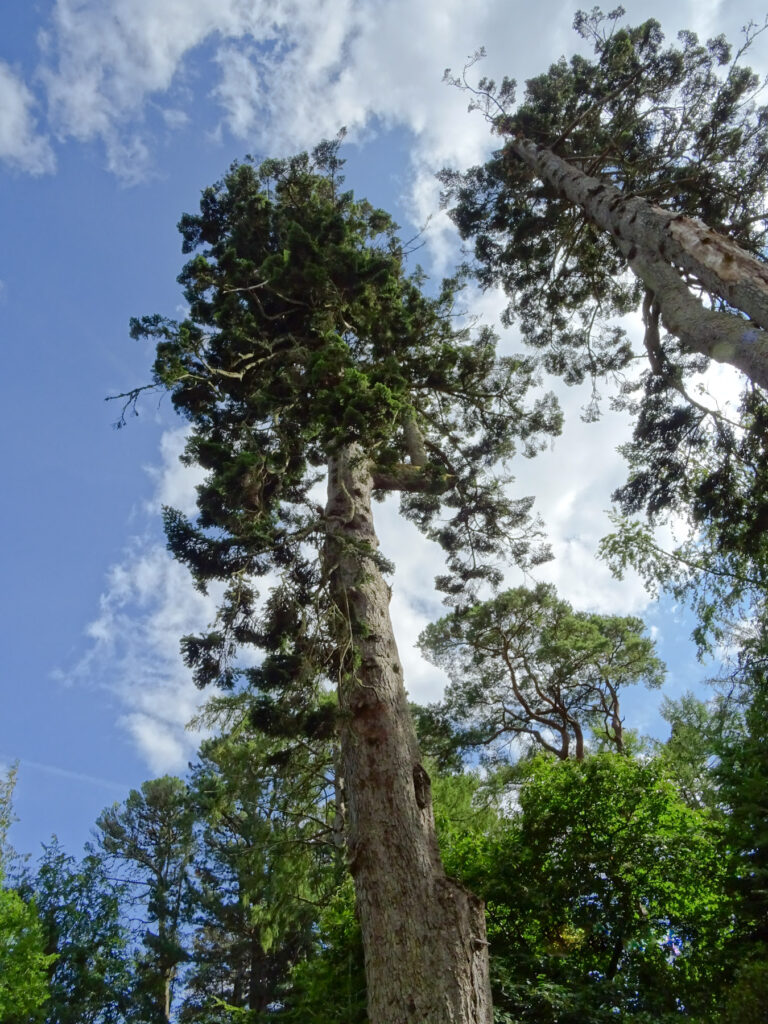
(428, 932)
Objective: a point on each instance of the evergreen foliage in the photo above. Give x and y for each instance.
(264, 864)
(676, 125)
(741, 772)
(305, 333)
(92, 978)
(149, 840)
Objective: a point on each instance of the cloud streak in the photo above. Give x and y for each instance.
(67, 773)
(21, 145)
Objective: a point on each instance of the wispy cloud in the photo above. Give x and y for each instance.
(148, 604)
(132, 644)
(21, 145)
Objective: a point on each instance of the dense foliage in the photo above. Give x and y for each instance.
(608, 893)
(24, 960)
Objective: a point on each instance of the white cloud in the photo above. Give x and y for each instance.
(291, 71)
(21, 145)
(175, 119)
(240, 89)
(175, 484)
(148, 604)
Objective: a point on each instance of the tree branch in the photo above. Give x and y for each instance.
(408, 477)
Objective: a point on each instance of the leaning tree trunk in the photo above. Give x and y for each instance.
(655, 242)
(426, 958)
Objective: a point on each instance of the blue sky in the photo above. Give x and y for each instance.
(114, 114)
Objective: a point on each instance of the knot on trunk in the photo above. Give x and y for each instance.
(422, 785)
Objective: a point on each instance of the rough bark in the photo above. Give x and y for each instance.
(426, 956)
(655, 241)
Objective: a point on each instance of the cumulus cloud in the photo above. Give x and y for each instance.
(21, 145)
(286, 72)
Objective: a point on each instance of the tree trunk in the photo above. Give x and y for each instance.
(426, 958)
(654, 242)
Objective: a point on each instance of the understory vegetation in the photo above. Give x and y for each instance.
(626, 884)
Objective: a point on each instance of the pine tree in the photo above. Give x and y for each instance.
(91, 977)
(525, 666)
(309, 355)
(150, 840)
(264, 865)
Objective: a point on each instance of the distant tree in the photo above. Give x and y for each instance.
(7, 784)
(689, 752)
(526, 665)
(150, 840)
(265, 860)
(308, 353)
(91, 977)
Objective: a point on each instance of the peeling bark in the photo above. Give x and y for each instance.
(655, 241)
(426, 957)
(719, 336)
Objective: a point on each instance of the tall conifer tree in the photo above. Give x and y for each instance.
(309, 354)
(636, 181)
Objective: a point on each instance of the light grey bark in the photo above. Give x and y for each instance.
(426, 956)
(656, 241)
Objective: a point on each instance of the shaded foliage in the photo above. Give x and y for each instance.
(149, 840)
(92, 977)
(264, 863)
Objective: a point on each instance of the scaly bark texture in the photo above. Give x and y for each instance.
(428, 932)
(656, 241)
